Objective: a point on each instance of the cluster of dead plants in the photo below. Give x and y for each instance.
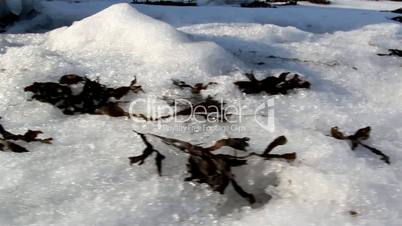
(196, 104)
(195, 89)
(397, 19)
(273, 85)
(322, 2)
(8, 140)
(257, 4)
(392, 52)
(213, 169)
(75, 94)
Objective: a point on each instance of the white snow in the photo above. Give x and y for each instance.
(121, 30)
(84, 177)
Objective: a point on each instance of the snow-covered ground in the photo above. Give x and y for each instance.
(308, 18)
(84, 178)
(363, 4)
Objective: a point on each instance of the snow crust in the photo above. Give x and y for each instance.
(84, 177)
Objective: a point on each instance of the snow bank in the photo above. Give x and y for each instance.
(122, 30)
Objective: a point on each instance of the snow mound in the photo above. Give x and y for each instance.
(123, 31)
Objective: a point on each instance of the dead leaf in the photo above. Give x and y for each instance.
(356, 140)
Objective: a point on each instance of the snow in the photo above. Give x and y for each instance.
(305, 17)
(141, 39)
(308, 18)
(363, 4)
(84, 177)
